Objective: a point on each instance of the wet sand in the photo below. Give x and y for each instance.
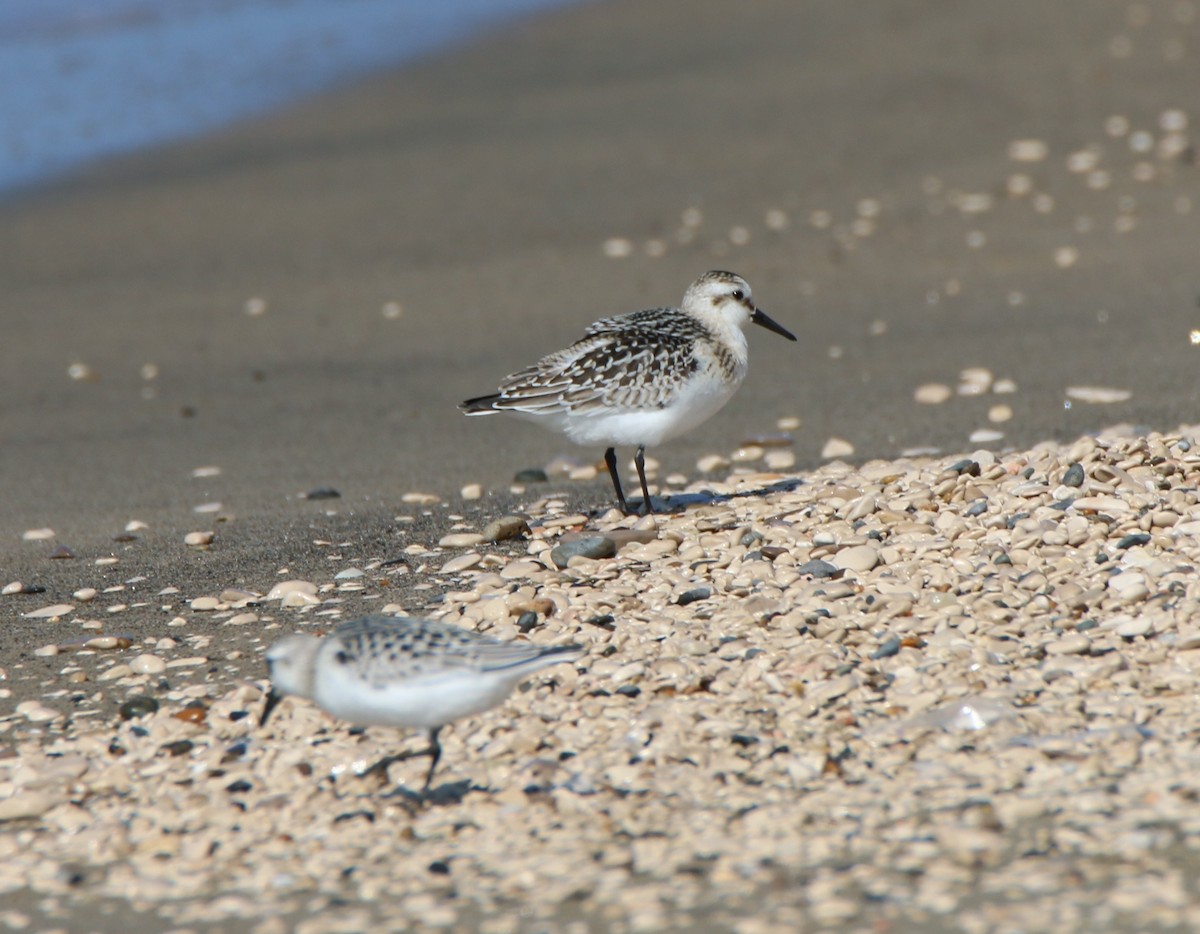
(485, 193)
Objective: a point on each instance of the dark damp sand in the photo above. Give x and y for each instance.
(477, 190)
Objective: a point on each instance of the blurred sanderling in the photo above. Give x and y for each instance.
(640, 378)
(403, 672)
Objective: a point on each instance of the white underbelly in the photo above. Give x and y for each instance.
(422, 703)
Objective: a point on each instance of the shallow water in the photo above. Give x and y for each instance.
(85, 79)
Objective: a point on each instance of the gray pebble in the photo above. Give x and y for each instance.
(818, 568)
(531, 475)
(693, 596)
(593, 546)
(1074, 475)
(1134, 538)
(889, 647)
(139, 706)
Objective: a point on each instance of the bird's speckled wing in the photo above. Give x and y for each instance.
(636, 361)
(384, 649)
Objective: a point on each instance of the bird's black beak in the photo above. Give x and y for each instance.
(273, 700)
(761, 319)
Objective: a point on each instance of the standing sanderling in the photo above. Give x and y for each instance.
(640, 378)
(403, 672)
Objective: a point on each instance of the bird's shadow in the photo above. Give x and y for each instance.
(449, 793)
(679, 503)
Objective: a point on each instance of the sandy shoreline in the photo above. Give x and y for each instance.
(854, 162)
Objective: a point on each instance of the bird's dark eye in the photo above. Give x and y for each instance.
(738, 294)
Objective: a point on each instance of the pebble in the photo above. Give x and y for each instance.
(505, 528)
(780, 460)
(818, 568)
(241, 619)
(420, 499)
(1098, 395)
(138, 706)
(461, 540)
(463, 562)
(471, 491)
(147, 665)
(61, 553)
(85, 594)
(590, 546)
(36, 712)
(858, 558)
(54, 611)
(13, 588)
(1130, 627)
(210, 470)
(985, 436)
(349, 574)
(206, 604)
(198, 539)
(1074, 476)
(37, 535)
(747, 453)
(27, 804)
(1000, 413)
(788, 423)
(933, 393)
(530, 475)
(711, 463)
(285, 588)
(837, 448)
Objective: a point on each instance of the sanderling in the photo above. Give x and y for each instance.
(403, 672)
(640, 378)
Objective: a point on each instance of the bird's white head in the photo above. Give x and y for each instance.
(292, 663)
(726, 297)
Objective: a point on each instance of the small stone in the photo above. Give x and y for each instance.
(147, 665)
(26, 804)
(818, 568)
(505, 528)
(530, 475)
(985, 436)
(198, 539)
(37, 535)
(323, 492)
(462, 563)
(591, 546)
(1130, 627)
(349, 574)
(1000, 413)
(471, 491)
(1073, 644)
(208, 471)
(932, 393)
(85, 594)
(420, 499)
(1098, 395)
(54, 611)
(138, 706)
(461, 540)
(206, 604)
(836, 448)
(858, 558)
(711, 463)
(1133, 539)
(889, 647)
(10, 589)
(46, 650)
(1074, 475)
(36, 712)
(693, 596)
(747, 453)
(115, 673)
(61, 553)
(780, 460)
(284, 588)
(242, 619)
(135, 525)
(298, 598)
(788, 423)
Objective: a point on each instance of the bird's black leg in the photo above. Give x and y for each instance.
(639, 460)
(434, 752)
(610, 458)
(435, 755)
